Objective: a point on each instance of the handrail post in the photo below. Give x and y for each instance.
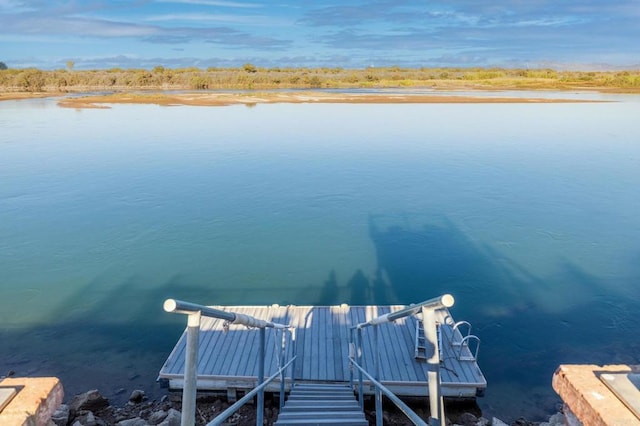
(188, 417)
(360, 380)
(294, 352)
(352, 354)
(436, 403)
(260, 413)
(283, 354)
(378, 392)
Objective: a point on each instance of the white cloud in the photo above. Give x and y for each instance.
(220, 3)
(211, 17)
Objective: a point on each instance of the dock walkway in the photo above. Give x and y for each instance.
(228, 353)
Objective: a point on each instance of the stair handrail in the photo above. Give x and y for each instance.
(428, 308)
(194, 313)
(444, 301)
(392, 397)
(220, 418)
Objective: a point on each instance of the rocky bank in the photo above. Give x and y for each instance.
(93, 409)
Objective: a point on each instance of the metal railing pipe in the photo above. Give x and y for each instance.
(376, 363)
(411, 415)
(360, 381)
(219, 420)
(260, 413)
(283, 354)
(188, 416)
(194, 313)
(444, 301)
(182, 307)
(436, 402)
(187, 308)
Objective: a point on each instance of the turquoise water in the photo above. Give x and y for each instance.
(529, 214)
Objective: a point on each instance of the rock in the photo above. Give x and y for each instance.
(466, 419)
(88, 401)
(483, 422)
(61, 416)
(133, 422)
(497, 422)
(157, 417)
(217, 404)
(556, 420)
(87, 418)
(136, 396)
(173, 418)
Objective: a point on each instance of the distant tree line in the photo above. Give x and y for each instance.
(250, 76)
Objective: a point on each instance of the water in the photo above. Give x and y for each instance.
(528, 214)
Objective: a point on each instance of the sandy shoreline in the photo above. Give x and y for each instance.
(254, 98)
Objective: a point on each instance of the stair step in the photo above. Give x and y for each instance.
(295, 396)
(320, 422)
(320, 414)
(320, 386)
(308, 407)
(316, 393)
(322, 404)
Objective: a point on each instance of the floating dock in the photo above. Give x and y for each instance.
(228, 354)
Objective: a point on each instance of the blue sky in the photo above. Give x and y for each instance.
(562, 34)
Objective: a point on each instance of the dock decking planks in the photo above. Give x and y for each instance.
(321, 341)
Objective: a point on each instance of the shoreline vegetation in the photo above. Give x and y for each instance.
(226, 86)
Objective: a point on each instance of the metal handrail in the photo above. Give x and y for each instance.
(392, 397)
(194, 313)
(428, 308)
(465, 343)
(188, 308)
(446, 301)
(220, 418)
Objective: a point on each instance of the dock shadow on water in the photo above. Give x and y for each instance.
(110, 335)
(523, 338)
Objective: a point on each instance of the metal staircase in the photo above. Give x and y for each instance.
(321, 404)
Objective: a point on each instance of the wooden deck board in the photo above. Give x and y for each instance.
(321, 341)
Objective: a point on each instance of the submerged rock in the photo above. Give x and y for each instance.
(88, 401)
(136, 396)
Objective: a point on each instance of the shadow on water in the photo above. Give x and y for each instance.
(529, 323)
(109, 335)
(523, 340)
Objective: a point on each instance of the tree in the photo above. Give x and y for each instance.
(31, 80)
(250, 68)
(3, 66)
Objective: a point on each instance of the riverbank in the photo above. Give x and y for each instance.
(93, 408)
(296, 97)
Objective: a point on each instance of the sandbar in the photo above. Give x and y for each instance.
(226, 98)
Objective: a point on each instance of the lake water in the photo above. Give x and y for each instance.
(529, 214)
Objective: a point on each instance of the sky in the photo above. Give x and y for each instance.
(102, 34)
